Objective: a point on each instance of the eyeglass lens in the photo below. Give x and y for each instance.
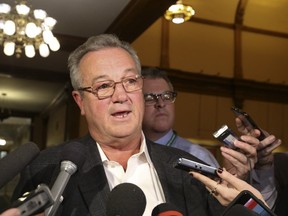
(106, 88)
(167, 97)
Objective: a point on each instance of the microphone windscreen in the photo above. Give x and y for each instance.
(239, 210)
(74, 152)
(126, 199)
(166, 209)
(16, 161)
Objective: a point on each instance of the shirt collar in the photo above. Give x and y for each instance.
(165, 139)
(143, 151)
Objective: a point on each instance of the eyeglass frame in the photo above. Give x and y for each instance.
(95, 92)
(156, 97)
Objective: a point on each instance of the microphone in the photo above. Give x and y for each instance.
(16, 161)
(239, 210)
(126, 199)
(166, 209)
(73, 157)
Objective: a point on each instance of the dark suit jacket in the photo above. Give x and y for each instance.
(88, 189)
(281, 180)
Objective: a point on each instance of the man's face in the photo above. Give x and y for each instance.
(119, 115)
(158, 117)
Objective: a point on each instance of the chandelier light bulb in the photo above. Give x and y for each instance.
(29, 51)
(178, 19)
(44, 50)
(54, 44)
(9, 27)
(2, 24)
(22, 9)
(2, 142)
(40, 14)
(47, 36)
(9, 48)
(4, 8)
(31, 30)
(50, 22)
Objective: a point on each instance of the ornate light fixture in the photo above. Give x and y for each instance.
(24, 29)
(179, 13)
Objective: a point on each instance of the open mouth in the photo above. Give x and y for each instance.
(121, 114)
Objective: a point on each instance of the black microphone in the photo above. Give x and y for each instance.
(73, 157)
(166, 209)
(16, 161)
(126, 199)
(239, 210)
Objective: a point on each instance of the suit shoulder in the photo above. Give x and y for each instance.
(172, 152)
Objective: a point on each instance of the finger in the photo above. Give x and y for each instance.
(268, 150)
(251, 140)
(269, 144)
(209, 183)
(233, 181)
(234, 157)
(11, 212)
(240, 126)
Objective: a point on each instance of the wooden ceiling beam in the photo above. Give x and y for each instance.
(137, 17)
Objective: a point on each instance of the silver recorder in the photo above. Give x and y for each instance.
(226, 136)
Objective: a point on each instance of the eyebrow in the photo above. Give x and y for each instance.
(106, 77)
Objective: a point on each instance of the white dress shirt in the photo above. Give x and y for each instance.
(140, 171)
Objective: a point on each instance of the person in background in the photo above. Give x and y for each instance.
(106, 76)
(159, 96)
(159, 116)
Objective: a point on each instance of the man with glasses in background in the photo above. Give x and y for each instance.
(159, 96)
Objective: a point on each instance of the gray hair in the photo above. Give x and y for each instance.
(156, 73)
(97, 43)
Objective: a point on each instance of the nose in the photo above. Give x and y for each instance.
(120, 94)
(159, 103)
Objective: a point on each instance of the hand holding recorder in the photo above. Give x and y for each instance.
(228, 189)
(246, 125)
(239, 152)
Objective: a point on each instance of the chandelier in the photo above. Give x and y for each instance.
(22, 29)
(179, 13)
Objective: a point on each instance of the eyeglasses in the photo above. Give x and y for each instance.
(105, 89)
(167, 97)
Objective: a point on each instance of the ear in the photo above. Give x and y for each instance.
(79, 100)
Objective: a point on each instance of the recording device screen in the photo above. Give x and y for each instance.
(226, 136)
(247, 199)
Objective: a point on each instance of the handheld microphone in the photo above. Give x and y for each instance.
(73, 157)
(126, 199)
(16, 161)
(166, 209)
(239, 210)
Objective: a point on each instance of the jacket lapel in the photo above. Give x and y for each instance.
(93, 183)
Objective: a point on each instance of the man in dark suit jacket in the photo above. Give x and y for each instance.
(87, 191)
(106, 76)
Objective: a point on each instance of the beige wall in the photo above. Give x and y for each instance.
(197, 48)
